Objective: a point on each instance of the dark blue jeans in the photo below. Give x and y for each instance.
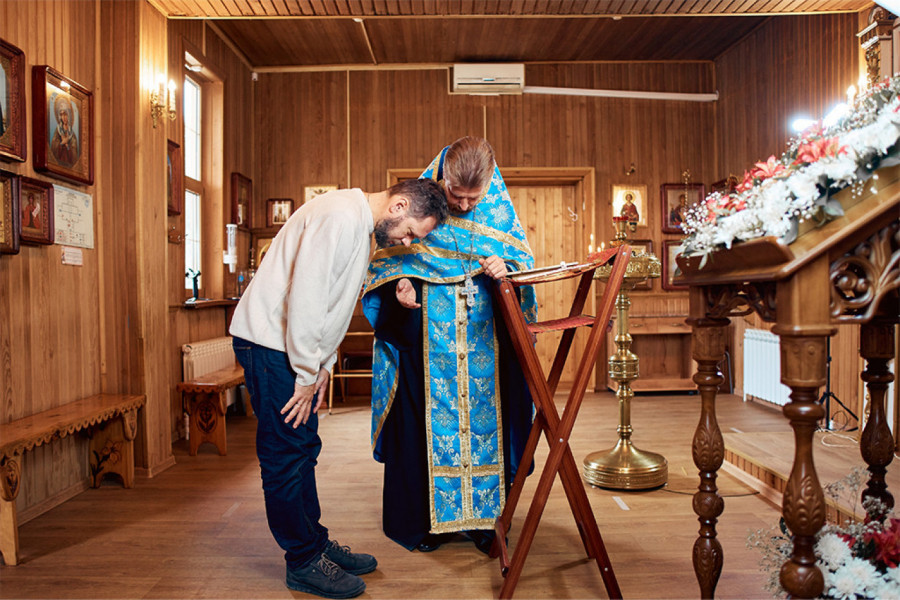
(287, 456)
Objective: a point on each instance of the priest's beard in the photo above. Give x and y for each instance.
(383, 229)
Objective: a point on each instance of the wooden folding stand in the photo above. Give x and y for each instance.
(557, 430)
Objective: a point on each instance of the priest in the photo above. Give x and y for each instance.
(451, 410)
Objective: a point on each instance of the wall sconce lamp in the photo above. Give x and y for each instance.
(162, 101)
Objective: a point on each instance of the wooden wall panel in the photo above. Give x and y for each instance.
(49, 317)
(116, 180)
(403, 119)
(150, 245)
(301, 135)
(789, 67)
(238, 154)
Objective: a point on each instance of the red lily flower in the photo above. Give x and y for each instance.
(746, 184)
(770, 168)
(816, 150)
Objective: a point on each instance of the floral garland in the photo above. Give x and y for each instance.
(859, 560)
(776, 195)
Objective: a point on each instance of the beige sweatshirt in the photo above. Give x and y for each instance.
(306, 287)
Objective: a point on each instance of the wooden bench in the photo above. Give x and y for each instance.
(110, 420)
(205, 402)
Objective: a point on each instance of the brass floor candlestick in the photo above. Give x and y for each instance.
(624, 466)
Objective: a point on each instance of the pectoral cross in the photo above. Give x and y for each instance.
(469, 290)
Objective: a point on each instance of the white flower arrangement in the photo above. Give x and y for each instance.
(858, 561)
(776, 195)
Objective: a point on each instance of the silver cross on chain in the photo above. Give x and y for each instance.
(469, 291)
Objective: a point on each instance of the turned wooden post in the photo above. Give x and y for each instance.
(803, 364)
(877, 443)
(803, 323)
(708, 449)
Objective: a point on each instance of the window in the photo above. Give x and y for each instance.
(193, 186)
(192, 219)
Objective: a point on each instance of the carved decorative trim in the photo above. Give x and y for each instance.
(866, 275)
(129, 424)
(741, 299)
(11, 448)
(9, 479)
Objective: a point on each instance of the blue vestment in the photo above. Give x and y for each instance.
(444, 361)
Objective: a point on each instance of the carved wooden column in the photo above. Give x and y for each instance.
(803, 324)
(803, 364)
(876, 41)
(877, 443)
(708, 349)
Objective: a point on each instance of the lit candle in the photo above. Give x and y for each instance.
(171, 97)
(851, 94)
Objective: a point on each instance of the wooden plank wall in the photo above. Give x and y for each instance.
(789, 67)
(403, 118)
(49, 313)
(185, 326)
(68, 332)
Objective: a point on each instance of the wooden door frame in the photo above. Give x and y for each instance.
(584, 182)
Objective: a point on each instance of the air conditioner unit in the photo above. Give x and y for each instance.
(488, 78)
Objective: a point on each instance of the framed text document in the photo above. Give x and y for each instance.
(74, 217)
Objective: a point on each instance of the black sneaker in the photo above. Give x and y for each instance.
(355, 563)
(324, 578)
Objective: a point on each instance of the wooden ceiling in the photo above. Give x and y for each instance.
(283, 34)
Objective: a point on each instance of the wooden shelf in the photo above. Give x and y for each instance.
(210, 303)
(663, 346)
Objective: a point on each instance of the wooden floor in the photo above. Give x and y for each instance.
(198, 530)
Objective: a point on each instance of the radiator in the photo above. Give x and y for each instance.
(206, 356)
(762, 368)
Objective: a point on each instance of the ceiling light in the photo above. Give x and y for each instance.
(802, 124)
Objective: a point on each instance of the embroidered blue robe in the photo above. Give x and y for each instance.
(464, 437)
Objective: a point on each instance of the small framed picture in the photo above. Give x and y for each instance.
(311, 191)
(671, 249)
(37, 210)
(675, 199)
(630, 201)
(10, 219)
(241, 198)
(724, 186)
(13, 141)
(63, 126)
(642, 247)
(278, 210)
(261, 247)
(174, 178)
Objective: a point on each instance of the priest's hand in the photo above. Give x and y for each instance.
(406, 294)
(494, 266)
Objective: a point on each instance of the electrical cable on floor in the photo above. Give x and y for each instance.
(720, 495)
(854, 444)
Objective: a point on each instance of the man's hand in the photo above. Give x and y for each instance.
(406, 294)
(494, 267)
(300, 406)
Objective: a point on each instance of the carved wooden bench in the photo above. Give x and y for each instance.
(110, 420)
(205, 402)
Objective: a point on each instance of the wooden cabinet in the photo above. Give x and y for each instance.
(661, 340)
(663, 345)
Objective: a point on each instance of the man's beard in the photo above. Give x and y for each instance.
(383, 229)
